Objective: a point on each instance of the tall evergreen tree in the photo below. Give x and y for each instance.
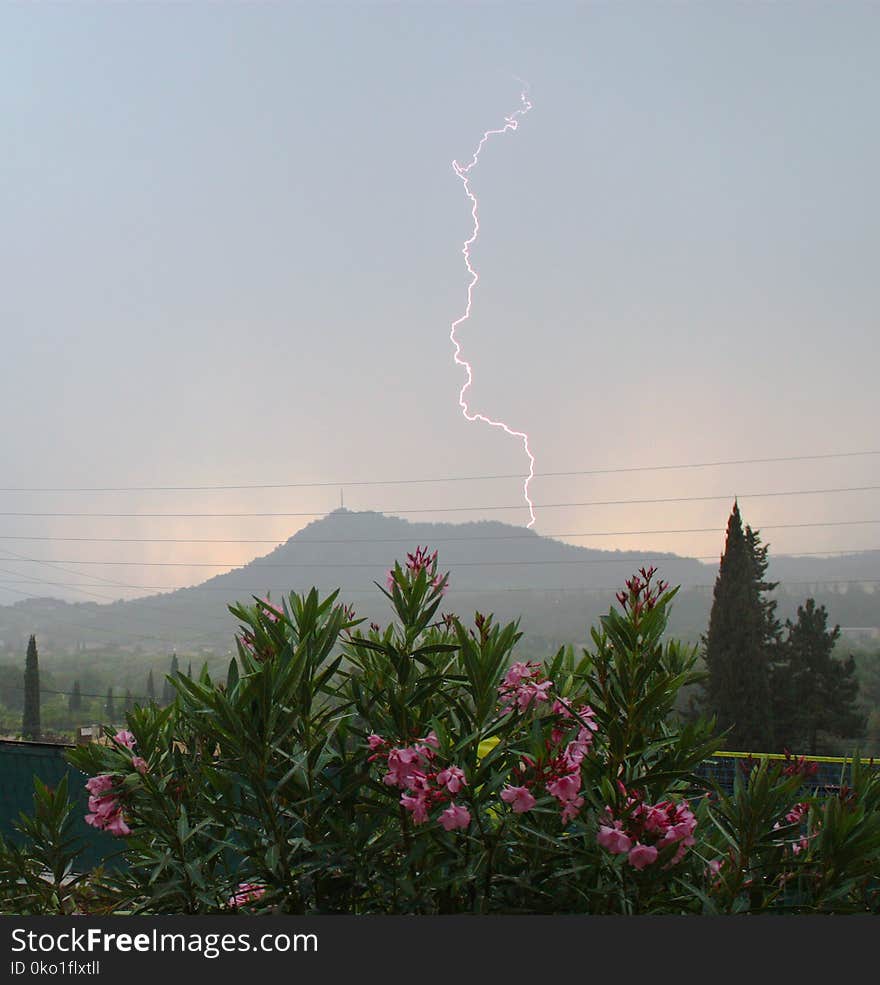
(30, 721)
(110, 707)
(128, 704)
(151, 687)
(813, 692)
(737, 645)
(167, 689)
(189, 670)
(74, 701)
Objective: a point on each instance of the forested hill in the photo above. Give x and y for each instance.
(498, 567)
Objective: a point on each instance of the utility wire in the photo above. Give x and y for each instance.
(436, 479)
(842, 555)
(458, 509)
(434, 540)
(367, 564)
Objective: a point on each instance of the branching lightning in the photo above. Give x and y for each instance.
(463, 171)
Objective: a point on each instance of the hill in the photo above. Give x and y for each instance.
(556, 587)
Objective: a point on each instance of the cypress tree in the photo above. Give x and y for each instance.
(128, 704)
(813, 692)
(30, 722)
(167, 689)
(736, 646)
(74, 701)
(151, 687)
(189, 670)
(110, 707)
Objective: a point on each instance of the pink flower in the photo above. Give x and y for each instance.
(531, 692)
(247, 892)
(571, 809)
(271, 613)
(455, 817)
(574, 754)
(390, 580)
(614, 839)
(117, 826)
(139, 763)
(421, 560)
(518, 672)
(520, 798)
(402, 765)
(565, 788)
(797, 813)
(430, 740)
(124, 738)
(452, 778)
(641, 856)
(98, 786)
(375, 741)
(417, 807)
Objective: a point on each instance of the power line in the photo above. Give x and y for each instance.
(373, 564)
(675, 558)
(434, 540)
(454, 509)
(435, 479)
(250, 591)
(82, 694)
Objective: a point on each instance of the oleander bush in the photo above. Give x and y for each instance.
(420, 768)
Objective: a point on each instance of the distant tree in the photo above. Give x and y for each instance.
(128, 703)
(109, 707)
(151, 687)
(30, 721)
(189, 670)
(737, 646)
(74, 701)
(167, 689)
(813, 692)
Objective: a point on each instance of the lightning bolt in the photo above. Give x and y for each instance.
(463, 171)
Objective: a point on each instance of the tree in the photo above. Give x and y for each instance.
(813, 692)
(151, 687)
(737, 647)
(109, 707)
(189, 670)
(167, 689)
(74, 701)
(128, 704)
(30, 721)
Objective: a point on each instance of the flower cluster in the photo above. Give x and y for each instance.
(126, 739)
(560, 773)
(246, 892)
(646, 830)
(640, 595)
(413, 770)
(799, 766)
(419, 561)
(106, 811)
(523, 685)
(796, 815)
(269, 610)
(105, 808)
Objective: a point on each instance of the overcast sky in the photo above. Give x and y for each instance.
(230, 246)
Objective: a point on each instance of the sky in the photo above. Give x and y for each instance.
(231, 254)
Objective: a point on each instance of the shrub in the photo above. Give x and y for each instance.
(423, 768)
